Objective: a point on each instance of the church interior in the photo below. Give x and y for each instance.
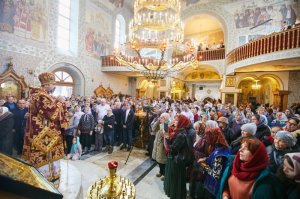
(95, 93)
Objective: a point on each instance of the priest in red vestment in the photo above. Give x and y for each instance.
(43, 141)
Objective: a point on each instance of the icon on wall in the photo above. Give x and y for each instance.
(230, 82)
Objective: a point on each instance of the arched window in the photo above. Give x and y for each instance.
(64, 84)
(67, 29)
(120, 31)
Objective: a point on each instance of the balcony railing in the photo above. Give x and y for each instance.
(109, 61)
(280, 41)
(209, 55)
(206, 55)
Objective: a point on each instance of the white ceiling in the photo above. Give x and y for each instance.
(201, 23)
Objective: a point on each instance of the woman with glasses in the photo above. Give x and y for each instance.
(293, 126)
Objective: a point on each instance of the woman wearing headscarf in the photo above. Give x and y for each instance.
(289, 175)
(262, 129)
(159, 153)
(200, 151)
(248, 130)
(235, 126)
(76, 150)
(6, 134)
(280, 120)
(218, 150)
(246, 175)
(177, 157)
(289, 113)
(284, 143)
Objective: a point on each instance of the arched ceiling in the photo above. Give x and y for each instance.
(200, 24)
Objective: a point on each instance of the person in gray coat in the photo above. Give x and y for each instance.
(159, 153)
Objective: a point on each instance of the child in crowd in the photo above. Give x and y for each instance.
(76, 149)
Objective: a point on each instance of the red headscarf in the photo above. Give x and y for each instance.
(214, 137)
(249, 170)
(183, 123)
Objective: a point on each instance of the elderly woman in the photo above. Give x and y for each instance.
(284, 143)
(108, 130)
(292, 125)
(262, 129)
(280, 120)
(246, 175)
(159, 153)
(200, 146)
(289, 113)
(214, 164)
(85, 127)
(6, 134)
(289, 174)
(178, 150)
(248, 130)
(235, 126)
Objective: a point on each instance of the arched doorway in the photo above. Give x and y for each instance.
(262, 90)
(148, 89)
(64, 84)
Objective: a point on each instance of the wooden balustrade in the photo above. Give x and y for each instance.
(110, 61)
(208, 55)
(274, 42)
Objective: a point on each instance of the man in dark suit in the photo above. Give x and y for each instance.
(10, 104)
(127, 123)
(20, 115)
(118, 112)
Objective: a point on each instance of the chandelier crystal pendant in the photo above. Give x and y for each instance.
(155, 45)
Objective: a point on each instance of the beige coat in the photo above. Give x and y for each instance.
(159, 153)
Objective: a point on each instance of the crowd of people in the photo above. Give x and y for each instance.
(220, 150)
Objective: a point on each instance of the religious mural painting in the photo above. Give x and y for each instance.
(269, 13)
(98, 31)
(24, 18)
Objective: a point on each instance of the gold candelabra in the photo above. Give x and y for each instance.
(112, 186)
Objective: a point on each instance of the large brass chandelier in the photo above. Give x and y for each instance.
(155, 45)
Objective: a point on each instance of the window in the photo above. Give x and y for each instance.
(67, 29)
(64, 84)
(120, 31)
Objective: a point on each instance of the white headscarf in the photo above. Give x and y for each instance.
(211, 124)
(4, 109)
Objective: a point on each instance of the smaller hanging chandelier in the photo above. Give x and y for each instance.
(256, 86)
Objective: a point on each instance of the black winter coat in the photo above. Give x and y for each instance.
(6, 134)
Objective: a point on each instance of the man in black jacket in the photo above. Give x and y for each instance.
(127, 124)
(117, 111)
